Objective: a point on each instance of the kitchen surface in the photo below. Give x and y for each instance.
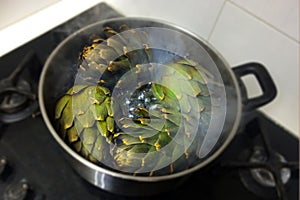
(262, 160)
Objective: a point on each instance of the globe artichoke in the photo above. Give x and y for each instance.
(134, 108)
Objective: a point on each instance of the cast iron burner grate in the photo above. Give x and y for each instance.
(265, 172)
(18, 98)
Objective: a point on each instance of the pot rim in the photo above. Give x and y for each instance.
(121, 175)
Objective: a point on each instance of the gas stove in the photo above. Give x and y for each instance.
(260, 163)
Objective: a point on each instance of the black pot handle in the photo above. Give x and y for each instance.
(264, 79)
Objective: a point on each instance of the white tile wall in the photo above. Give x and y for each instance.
(242, 30)
(37, 23)
(242, 38)
(14, 10)
(197, 16)
(282, 14)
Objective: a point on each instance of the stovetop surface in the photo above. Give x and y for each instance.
(33, 157)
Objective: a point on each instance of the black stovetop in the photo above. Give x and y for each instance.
(31, 160)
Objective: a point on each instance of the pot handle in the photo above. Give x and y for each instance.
(264, 79)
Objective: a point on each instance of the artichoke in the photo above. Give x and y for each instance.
(116, 116)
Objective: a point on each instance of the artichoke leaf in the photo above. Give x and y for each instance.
(87, 119)
(107, 53)
(156, 124)
(88, 139)
(67, 116)
(62, 131)
(110, 124)
(93, 56)
(79, 104)
(89, 136)
(84, 152)
(157, 91)
(140, 111)
(136, 57)
(125, 139)
(182, 69)
(95, 69)
(72, 134)
(143, 132)
(78, 126)
(102, 127)
(77, 146)
(61, 104)
(173, 118)
(116, 44)
(100, 149)
(109, 32)
(115, 66)
(157, 169)
(105, 90)
(124, 27)
(196, 65)
(76, 89)
(99, 112)
(109, 107)
(133, 40)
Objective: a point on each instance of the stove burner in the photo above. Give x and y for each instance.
(265, 172)
(264, 176)
(3, 164)
(16, 191)
(261, 179)
(17, 100)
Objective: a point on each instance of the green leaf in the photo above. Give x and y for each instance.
(87, 119)
(79, 103)
(61, 104)
(102, 127)
(156, 124)
(72, 134)
(100, 148)
(110, 124)
(68, 116)
(76, 89)
(99, 112)
(89, 136)
(77, 146)
(157, 91)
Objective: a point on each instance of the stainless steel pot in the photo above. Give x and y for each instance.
(59, 74)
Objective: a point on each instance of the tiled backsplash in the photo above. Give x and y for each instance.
(14, 10)
(264, 31)
(283, 15)
(243, 38)
(197, 16)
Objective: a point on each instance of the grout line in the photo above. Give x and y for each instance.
(264, 21)
(216, 21)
